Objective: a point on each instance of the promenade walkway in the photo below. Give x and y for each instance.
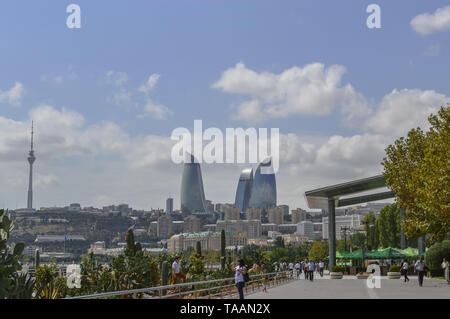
(351, 288)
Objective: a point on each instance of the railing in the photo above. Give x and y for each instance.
(209, 289)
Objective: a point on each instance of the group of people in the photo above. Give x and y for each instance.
(307, 267)
(421, 268)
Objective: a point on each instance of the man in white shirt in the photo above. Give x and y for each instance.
(291, 269)
(311, 270)
(405, 270)
(421, 268)
(176, 270)
(321, 266)
(298, 268)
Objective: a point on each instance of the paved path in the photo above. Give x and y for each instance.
(351, 288)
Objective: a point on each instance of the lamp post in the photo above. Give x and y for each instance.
(344, 229)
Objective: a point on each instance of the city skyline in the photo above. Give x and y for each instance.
(104, 109)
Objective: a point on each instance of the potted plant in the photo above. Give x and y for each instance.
(337, 272)
(394, 272)
(362, 275)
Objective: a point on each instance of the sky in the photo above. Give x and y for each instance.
(106, 97)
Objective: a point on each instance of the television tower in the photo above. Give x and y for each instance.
(31, 159)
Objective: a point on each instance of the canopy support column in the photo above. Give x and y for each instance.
(332, 232)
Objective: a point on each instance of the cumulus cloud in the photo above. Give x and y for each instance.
(123, 96)
(312, 89)
(79, 162)
(427, 23)
(402, 110)
(14, 95)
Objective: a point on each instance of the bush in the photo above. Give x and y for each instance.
(436, 253)
(337, 268)
(394, 268)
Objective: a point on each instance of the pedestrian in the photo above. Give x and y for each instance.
(405, 269)
(305, 269)
(421, 269)
(446, 267)
(291, 269)
(321, 267)
(240, 272)
(311, 270)
(298, 268)
(176, 271)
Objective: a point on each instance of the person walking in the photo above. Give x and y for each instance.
(291, 269)
(306, 270)
(298, 269)
(405, 270)
(240, 272)
(311, 270)
(445, 265)
(420, 267)
(176, 271)
(321, 267)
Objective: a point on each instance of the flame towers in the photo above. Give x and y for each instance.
(264, 189)
(244, 189)
(258, 190)
(192, 193)
(31, 159)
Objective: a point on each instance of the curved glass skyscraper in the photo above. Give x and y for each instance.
(264, 190)
(192, 193)
(244, 189)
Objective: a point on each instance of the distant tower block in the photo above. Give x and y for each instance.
(169, 205)
(31, 159)
(192, 192)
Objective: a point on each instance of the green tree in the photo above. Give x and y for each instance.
(436, 253)
(9, 258)
(388, 223)
(358, 240)
(371, 228)
(45, 282)
(279, 242)
(319, 251)
(417, 169)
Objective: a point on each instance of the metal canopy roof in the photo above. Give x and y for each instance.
(318, 198)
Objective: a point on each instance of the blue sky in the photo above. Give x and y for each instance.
(190, 44)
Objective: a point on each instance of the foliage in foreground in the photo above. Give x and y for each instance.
(417, 169)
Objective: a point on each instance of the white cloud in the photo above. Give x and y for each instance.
(123, 96)
(150, 84)
(402, 110)
(159, 112)
(116, 78)
(14, 95)
(46, 181)
(312, 89)
(427, 23)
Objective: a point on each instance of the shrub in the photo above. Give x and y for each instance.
(436, 253)
(394, 268)
(337, 268)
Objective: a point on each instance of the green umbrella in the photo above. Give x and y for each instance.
(410, 252)
(358, 254)
(388, 253)
(342, 254)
